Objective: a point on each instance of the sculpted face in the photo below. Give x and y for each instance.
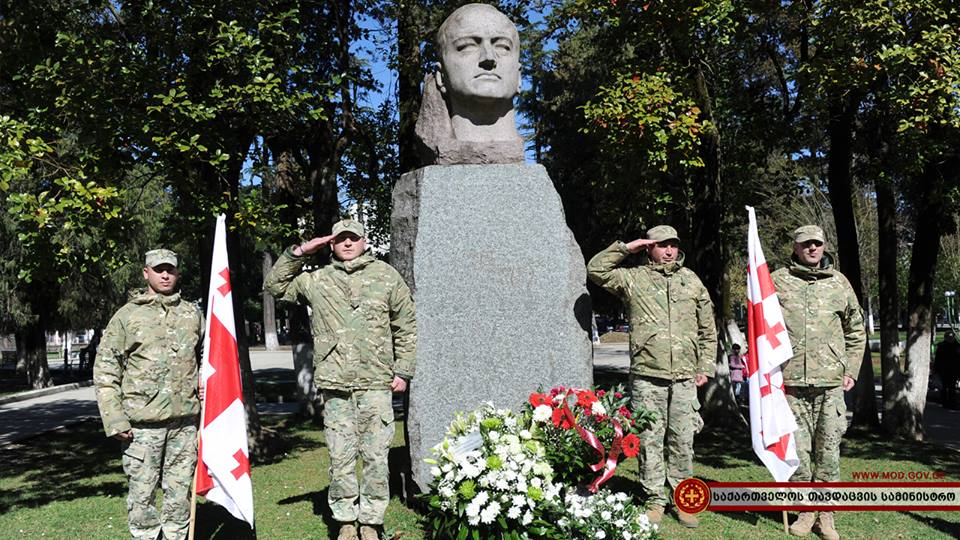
(480, 55)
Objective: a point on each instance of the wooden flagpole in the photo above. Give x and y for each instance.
(193, 504)
(786, 529)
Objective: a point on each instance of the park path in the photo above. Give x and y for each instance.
(26, 418)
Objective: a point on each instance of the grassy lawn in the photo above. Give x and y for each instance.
(68, 484)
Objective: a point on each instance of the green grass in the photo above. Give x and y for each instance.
(68, 484)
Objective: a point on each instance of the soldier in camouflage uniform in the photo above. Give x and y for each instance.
(146, 382)
(673, 346)
(825, 324)
(364, 335)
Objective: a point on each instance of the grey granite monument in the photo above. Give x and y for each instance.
(480, 237)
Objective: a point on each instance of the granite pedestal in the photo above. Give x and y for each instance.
(499, 283)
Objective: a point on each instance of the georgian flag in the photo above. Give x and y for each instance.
(771, 422)
(223, 467)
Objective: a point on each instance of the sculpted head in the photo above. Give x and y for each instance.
(479, 57)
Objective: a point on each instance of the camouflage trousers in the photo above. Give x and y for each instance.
(358, 423)
(166, 456)
(821, 422)
(666, 447)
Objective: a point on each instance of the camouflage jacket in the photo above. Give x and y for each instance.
(825, 324)
(146, 366)
(363, 320)
(673, 334)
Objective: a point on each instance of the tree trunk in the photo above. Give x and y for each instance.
(32, 354)
(311, 405)
(840, 130)
(894, 394)
(923, 265)
(410, 74)
(269, 309)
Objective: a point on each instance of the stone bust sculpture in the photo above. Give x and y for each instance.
(467, 114)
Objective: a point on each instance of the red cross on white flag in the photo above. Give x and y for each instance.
(771, 422)
(223, 469)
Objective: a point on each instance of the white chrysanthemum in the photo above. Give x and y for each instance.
(527, 518)
(473, 509)
(606, 515)
(525, 434)
(490, 513)
(481, 498)
(536, 482)
(598, 408)
(542, 413)
(494, 436)
(510, 421)
(514, 512)
(447, 492)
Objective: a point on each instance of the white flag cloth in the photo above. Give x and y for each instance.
(223, 468)
(771, 421)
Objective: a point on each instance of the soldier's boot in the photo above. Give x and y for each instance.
(689, 521)
(368, 532)
(655, 514)
(827, 529)
(804, 524)
(348, 531)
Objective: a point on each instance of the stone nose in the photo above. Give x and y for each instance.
(488, 57)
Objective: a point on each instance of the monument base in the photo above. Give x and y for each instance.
(500, 288)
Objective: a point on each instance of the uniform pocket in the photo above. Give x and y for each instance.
(697, 419)
(841, 410)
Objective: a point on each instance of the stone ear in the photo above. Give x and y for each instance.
(438, 77)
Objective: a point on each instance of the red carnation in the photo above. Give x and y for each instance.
(601, 393)
(631, 445)
(625, 412)
(560, 420)
(537, 399)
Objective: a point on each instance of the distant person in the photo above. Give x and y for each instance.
(738, 367)
(364, 346)
(146, 381)
(946, 364)
(673, 346)
(825, 325)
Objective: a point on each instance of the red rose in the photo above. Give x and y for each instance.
(537, 399)
(560, 420)
(617, 395)
(631, 445)
(601, 393)
(625, 412)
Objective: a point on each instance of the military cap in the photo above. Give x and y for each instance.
(661, 233)
(807, 233)
(348, 225)
(156, 257)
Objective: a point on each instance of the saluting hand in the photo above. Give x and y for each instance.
(640, 243)
(313, 245)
